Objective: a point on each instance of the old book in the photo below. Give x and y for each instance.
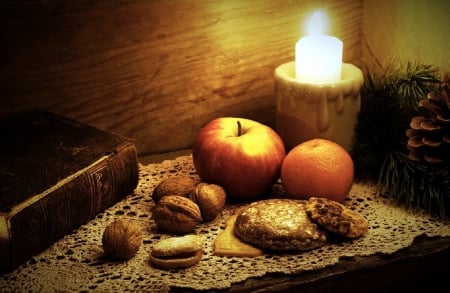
(55, 175)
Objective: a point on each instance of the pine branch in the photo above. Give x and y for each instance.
(415, 185)
(389, 99)
(413, 83)
(406, 84)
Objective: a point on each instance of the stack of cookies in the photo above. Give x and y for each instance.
(297, 225)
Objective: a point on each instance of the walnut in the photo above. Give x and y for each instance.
(121, 239)
(176, 185)
(210, 198)
(176, 214)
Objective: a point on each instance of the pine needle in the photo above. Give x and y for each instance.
(407, 83)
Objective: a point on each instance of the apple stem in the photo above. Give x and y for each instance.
(239, 128)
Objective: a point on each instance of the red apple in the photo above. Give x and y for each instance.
(241, 155)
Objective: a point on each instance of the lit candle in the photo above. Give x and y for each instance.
(318, 57)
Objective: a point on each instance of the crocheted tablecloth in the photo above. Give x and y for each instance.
(76, 262)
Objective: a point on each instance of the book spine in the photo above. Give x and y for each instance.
(66, 207)
(4, 243)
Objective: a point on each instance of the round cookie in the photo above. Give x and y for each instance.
(278, 224)
(177, 252)
(336, 218)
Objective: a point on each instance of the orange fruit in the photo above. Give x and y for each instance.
(317, 167)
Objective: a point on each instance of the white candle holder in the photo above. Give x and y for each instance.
(305, 111)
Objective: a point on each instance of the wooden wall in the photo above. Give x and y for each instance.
(407, 30)
(156, 71)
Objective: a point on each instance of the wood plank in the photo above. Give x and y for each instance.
(407, 31)
(156, 71)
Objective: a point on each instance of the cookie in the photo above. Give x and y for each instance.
(177, 252)
(279, 225)
(228, 244)
(336, 218)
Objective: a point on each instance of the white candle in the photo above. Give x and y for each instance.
(318, 57)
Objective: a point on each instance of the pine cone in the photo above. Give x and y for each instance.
(429, 135)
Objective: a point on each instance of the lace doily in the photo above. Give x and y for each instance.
(76, 262)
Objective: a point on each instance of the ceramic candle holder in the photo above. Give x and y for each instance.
(305, 111)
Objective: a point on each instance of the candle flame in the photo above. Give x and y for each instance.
(317, 23)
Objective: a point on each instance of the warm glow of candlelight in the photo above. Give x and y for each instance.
(318, 57)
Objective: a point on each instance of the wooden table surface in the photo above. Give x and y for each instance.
(422, 267)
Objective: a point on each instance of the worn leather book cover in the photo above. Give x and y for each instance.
(55, 175)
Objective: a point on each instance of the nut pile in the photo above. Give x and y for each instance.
(182, 203)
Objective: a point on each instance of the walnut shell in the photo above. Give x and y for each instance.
(175, 185)
(176, 214)
(121, 239)
(210, 198)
